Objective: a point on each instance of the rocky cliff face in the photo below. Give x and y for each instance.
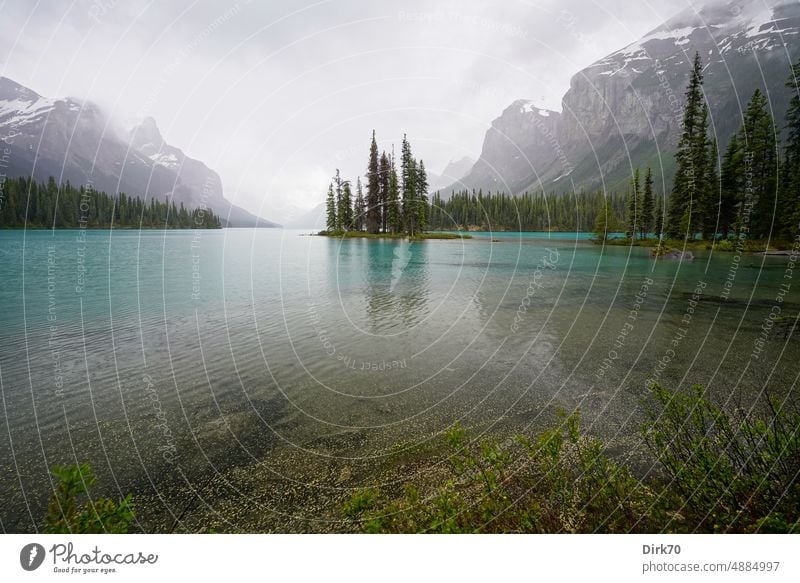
(625, 110)
(521, 143)
(74, 141)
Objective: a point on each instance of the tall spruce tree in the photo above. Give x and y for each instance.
(408, 170)
(731, 185)
(790, 187)
(646, 220)
(658, 221)
(634, 206)
(761, 162)
(689, 182)
(373, 189)
(345, 210)
(384, 170)
(330, 206)
(338, 183)
(711, 201)
(602, 222)
(359, 207)
(393, 211)
(421, 197)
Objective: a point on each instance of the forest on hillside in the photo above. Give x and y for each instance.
(25, 203)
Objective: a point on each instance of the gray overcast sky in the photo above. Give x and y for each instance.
(275, 95)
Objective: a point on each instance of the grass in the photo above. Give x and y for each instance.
(711, 471)
(417, 237)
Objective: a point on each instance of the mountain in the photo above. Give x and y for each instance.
(74, 141)
(517, 146)
(453, 172)
(313, 219)
(625, 110)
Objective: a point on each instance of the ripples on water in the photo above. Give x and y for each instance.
(182, 355)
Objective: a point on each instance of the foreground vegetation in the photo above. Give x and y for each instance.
(712, 471)
(30, 204)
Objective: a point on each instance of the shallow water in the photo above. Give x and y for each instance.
(166, 357)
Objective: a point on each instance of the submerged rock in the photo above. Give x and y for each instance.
(668, 253)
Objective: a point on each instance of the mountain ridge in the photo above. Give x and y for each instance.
(75, 142)
(625, 109)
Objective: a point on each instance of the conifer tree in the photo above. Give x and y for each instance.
(359, 207)
(689, 179)
(373, 189)
(731, 177)
(383, 178)
(634, 206)
(345, 211)
(790, 187)
(408, 169)
(658, 222)
(760, 145)
(711, 201)
(646, 220)
(330, 206)
(393, 211)
(601, 224)
(338, 183)
(421, 199)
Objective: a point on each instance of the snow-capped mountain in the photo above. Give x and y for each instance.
(626, 109)
(75, 141)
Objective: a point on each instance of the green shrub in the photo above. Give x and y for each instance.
(726, 471)
(711, 471)
(561, 481)
(72, 511)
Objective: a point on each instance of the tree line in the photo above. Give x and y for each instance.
(393, 204)
(526, 212)
(751, 191)
(27, 203)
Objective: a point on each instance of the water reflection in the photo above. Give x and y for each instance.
(396, 284)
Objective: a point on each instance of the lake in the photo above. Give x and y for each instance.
(249, 379)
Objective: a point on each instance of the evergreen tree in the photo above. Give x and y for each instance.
(760, 159)
(790, 187)
(658, 223)
(705, 196)
(646, 221)
(634, 206)
(346, 207)
(408, 169)
(393, 211)
(711, 202)
(330, 206)
(421, 199)
(359, 207)
(373, 189)
(338, 183)
(384, 170)
(601, 224)
(731, 185)
(689, 179)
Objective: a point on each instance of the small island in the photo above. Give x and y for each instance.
(395, 207)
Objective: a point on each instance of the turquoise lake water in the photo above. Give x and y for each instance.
(168, 357)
